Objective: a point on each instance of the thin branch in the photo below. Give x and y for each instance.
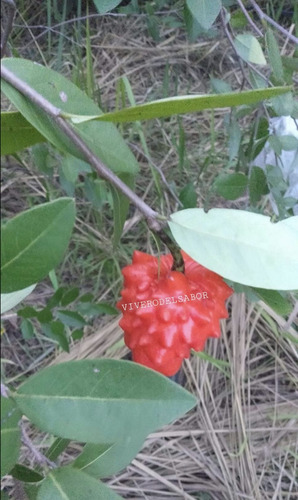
(231, 41)
(39, 457)
(155, 221)
(251, 22)
(271, 21)
(103, 171)
(9, 22)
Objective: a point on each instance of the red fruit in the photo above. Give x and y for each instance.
(166, 313)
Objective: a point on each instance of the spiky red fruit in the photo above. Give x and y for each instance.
(166, 313)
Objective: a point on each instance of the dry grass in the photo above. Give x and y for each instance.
(241, 442)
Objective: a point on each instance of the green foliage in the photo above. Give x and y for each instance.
(17, 133)
(10, 434)
(249, 49)
(257, 185)
(121, 395)
(43, 234)
(102, 460)
(61, 325)
(182, 104)
(104, 6)
(253, 250)
(230, 186)
(22, 473)
(65, 483)
(204, 11)
(69, 99)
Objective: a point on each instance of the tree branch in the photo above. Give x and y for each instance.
(271, 21)
(155, 221)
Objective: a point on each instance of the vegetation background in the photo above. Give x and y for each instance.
(241, 442)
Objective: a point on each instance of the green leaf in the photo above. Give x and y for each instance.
(71, 318)
(58, 446)
(257, 185)
(96, 192)
(104, 6)
(230, 186)
(275, 300)
(45, 315)
(10, 300)
(27, 329)
(72, 167)
(25, 474)
(17, 133)
(234, 133)
(220, 86)
(70, 296)
(120, 207)
(288, 142)
(184, 104)
(241, 246)
(34, 242)
(249, 49)
(102, 460)
(55, 331)
(274, 56)
(204, 11)
(90, 309)
(188, 196)
(10, 434)
(67, 483)
(63, 94)
(101, 400)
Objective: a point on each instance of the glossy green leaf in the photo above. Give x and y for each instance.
(275, 300)
(104, 6)
(67, 483)
(249, 49)
(10, 300)
(257, 185)
(63, 94)
(34, 242)
(274, 56)
(101, 400)
(230, 186)
(102, 460)
(25, 474)
(204, 11)
(10, 434)
(241, 246)
(184, 104)
(17, 133)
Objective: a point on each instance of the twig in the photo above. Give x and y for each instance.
(39, 457)
(271, 21)
(251, 22)
(231, 41)
(6, 31)
(155, 221)
(103, 171)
